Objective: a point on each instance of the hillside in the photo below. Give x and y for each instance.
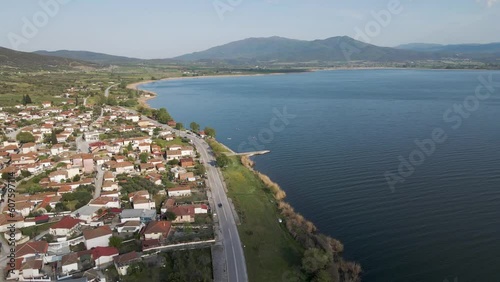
(290, 50)
(22, 60)
(93, 57)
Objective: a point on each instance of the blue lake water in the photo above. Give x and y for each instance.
(342, 132)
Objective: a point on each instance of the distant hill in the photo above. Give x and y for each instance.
(490, 48)
(23, 60)
(279, 49)
(93, 57)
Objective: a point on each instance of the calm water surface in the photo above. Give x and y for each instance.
(348, 129)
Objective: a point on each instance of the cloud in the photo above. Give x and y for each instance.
(489, 3)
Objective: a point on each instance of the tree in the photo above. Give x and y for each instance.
(315, 260)
(28, 99)
(25, 137)
(76, 178)
(144, 157)
(25, 173)
(60, 207)
(209, 132)
(156, 131)
(194, 126)
(170, 216)
(53, 138)
(179, 126)
(6, 176)
(173, 162)
(48, 208)
(162, 115)
(199, 169)
(222, 160)
(129, 147)
(115, 242)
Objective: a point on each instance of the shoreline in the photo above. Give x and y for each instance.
(143, 100)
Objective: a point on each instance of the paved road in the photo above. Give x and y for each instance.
(235, 258)
(98, 182)
(106, 92)
(236, 266)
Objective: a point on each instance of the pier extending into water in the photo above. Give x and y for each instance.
(250, 154)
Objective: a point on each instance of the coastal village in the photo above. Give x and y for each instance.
(90, 191)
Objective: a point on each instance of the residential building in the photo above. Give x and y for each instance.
(98, 237)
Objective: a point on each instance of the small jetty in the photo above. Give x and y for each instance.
(250, 154)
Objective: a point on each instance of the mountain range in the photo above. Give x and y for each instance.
(269, 50)
(32, 61)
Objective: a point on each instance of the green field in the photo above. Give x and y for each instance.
(270, 251)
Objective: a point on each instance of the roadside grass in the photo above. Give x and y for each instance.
(216, 146)
(270, 250)
(176, 141)
(163, 144)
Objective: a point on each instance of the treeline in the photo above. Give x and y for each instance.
(322, 259)
(136, 183)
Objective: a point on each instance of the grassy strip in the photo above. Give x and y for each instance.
(217, 147)
(35, 230)
(270, 251)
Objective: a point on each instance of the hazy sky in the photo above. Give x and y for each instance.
(167, 28)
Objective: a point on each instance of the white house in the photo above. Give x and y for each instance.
(144, 204)
(98, 237)
(103, 256)
(133, 118)
(85, 213)
(105, 202)
(131, 226)
(180, 191)
(31, 269)
(69, 263)
(157, 230)
(122, 262)
(201, 209)
(65, 227)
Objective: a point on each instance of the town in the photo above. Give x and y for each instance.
(91, 192)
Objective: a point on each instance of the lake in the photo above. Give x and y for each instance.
(335, 136)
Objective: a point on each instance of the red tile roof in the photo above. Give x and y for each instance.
(183, 210)
(98, 232)
(66, 222)
(38, 247)
(126, 258)
(98, 252)
(158, 227)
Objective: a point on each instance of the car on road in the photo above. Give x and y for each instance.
(219, 205)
